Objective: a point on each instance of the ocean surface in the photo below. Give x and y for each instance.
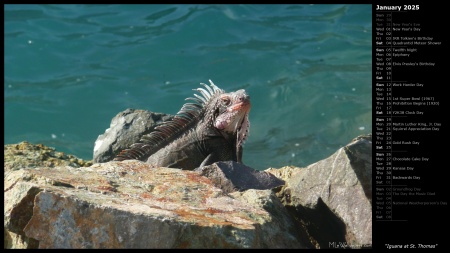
(69, 69)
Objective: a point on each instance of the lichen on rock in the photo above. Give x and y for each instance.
(27, 155)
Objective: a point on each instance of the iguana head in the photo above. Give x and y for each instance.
(226, 112)
(232, 113)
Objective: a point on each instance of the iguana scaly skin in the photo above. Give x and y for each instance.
(211, 129)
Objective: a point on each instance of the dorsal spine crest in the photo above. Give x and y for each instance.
(189, 115)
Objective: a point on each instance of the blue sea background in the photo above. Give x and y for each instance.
(69, 69)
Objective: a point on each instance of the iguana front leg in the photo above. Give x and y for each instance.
(210, 159)
(220, 153)
(239, 154)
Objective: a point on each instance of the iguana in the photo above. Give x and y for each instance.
(211, 129)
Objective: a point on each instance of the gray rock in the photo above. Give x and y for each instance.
(231, 176)
(333, 197)
(126, 128)
(130, 204)
(280, 220)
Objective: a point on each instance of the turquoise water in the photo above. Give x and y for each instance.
(69, 69)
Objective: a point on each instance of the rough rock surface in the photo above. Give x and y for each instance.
(283, 173)
(27, 155)
(129, 204)
(334, 197)
(126, 128)
(231, 176)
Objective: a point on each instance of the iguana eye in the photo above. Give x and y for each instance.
(226, 101)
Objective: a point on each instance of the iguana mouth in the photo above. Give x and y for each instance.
(245, 106)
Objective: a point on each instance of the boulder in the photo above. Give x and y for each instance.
(130, 204)
(126, 128)
(333, 197)
(231, 176)
(50, 201)
(27, 155)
